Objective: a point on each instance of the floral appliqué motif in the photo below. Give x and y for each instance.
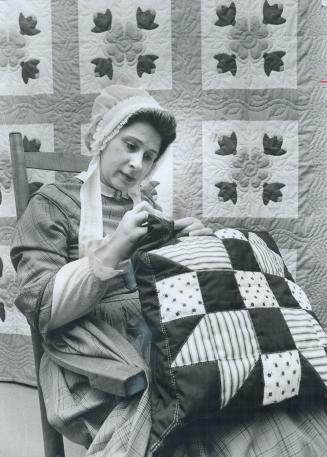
(124, 43)
(249, 39)
(13, 49)
(251, 169)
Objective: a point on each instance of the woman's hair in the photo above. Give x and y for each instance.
(162, 121)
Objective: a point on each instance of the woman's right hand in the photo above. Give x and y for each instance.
(132, 227)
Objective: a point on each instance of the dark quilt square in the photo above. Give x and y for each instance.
(220, 291)
(251, 393)
(271, 329)
(312, 388)
(164, 267)
(241, 255)
(178, 331)
(281, 291)
(198, 399)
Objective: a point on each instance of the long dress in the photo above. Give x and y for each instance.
(104, 318)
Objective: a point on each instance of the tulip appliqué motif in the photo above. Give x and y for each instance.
(124, 44)
(226, 15)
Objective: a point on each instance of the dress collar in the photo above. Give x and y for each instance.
(109, 191)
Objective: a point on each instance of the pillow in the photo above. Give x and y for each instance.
(231, 329)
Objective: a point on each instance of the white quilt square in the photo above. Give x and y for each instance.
(250, 169)
(180, 296)
(26, 48)
(255, 290)
(282, 376)
(241, 48)
(132, 44)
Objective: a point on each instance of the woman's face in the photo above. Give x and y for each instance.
(130, 155)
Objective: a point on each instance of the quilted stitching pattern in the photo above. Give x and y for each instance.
(240, 329)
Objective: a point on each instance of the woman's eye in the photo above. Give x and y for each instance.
(149, 157)
(130, 146)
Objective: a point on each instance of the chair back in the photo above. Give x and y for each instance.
(54, 161)
(22, 160)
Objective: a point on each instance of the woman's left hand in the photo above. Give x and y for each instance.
(192, 226)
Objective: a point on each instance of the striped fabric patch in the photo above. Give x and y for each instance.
(299, 295)
(268, 260)
(320, 331)
(309, 338)
(229, 338)
(302, 329)
(318, 359)
(233, 374)
(198, 253)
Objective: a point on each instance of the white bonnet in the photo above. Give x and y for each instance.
(111, 110)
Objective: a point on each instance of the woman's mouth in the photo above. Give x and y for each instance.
(128, 178)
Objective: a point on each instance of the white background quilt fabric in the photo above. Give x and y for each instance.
(261, 136)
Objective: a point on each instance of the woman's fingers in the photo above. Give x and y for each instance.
(141, 217)
(183, 223)
(201, 232)
(192, 226)
(145, 206)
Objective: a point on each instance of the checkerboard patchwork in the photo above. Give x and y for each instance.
(226, 315)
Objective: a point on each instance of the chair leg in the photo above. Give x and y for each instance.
(52, 440)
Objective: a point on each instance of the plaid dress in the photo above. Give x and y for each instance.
(46, 238)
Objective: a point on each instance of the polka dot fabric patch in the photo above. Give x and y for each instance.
(230, 233)
(180, 296)
(255, 290)
(299, 295)
(282, 376)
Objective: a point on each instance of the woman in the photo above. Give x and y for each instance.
(74, 281)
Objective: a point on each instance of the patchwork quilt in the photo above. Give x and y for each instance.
(232, 331)
(245, 79)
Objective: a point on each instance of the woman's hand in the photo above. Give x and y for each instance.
(192, 226)
(131, 228)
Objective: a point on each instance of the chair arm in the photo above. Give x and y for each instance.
(110, 376)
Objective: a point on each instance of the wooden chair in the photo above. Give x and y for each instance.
(109, 376)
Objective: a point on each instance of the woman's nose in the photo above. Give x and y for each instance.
(136, 160)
